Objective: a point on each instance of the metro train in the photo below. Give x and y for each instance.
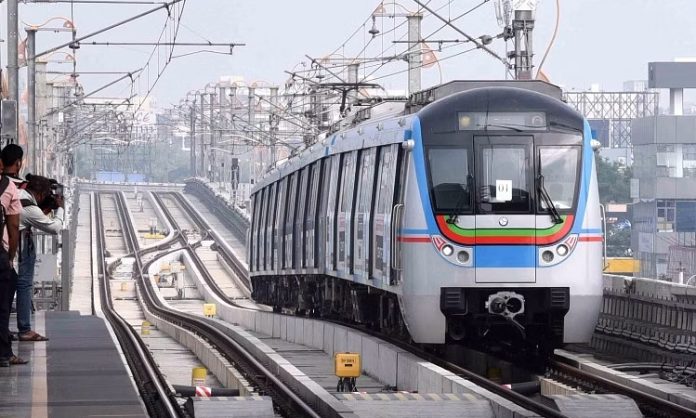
(468, 214)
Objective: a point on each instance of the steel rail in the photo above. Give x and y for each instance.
(231, 259)
(216, 334)
(196, 259)
(652, 403)
(159, 400)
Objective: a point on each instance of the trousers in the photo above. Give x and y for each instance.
(6, 289)
(25, 282)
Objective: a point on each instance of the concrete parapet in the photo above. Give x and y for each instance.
(652, 320)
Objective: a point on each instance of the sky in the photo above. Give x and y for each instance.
(601, 42)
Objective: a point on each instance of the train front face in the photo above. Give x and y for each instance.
(504, 185)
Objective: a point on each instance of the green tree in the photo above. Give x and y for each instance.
(618, 242)
(614, 181)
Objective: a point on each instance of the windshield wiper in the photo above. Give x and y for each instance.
(461, 201)
(555, 217)
(516, 129)
(564, 126)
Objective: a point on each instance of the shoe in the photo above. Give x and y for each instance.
(14, 360)
(31, 336)
(4, 362)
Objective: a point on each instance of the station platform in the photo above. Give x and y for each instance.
(78, 372)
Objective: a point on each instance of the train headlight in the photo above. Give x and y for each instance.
(547, 256)
(447, 250)
(463, 257)
(562, 250)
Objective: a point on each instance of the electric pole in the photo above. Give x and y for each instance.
(522, 26)
(31, 105)
(13, 49)
(413, 55)
(192, 134)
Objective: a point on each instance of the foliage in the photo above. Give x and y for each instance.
(161, 161)
(619, 243)
(614, 181)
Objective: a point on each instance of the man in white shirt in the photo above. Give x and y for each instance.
(38, 192)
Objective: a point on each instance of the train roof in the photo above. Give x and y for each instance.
(384, 122)
(423, 98)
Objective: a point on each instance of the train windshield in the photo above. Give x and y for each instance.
(450, 176)
(559, 167)
(504, 178)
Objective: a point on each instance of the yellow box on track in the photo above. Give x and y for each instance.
(347, 365)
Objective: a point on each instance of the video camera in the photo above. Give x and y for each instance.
(51, 202)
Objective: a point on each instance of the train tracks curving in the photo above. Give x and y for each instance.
(216, 334)
(152, 385)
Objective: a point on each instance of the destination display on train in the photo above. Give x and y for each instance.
(482, 121)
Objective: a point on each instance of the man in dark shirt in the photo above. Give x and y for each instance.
(10, 211)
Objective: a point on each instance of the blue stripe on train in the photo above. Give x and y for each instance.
(419, 162)
(587, 161)
(505, 256)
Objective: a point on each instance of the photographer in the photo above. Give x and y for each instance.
(41, 194)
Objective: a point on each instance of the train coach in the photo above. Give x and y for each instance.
(470, 213)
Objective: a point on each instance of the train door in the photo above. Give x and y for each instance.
(311, 218)
(505, 221)
(300, 227)
(345, 212)
(262, 228)
(270, 224)
(290, 221)
(332, 213)
(382, 218)
(363, 213)
(254, 221)
(279, 225)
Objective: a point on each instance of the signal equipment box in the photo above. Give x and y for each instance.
(347, 364)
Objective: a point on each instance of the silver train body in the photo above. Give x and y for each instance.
(474, 217)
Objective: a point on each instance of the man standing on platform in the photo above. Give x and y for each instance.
(10, 209)
(34, 199)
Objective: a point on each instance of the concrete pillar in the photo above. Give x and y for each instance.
(415, 59)
(676, 101)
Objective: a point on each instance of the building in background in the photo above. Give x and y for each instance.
(610, 114)
(664, 184)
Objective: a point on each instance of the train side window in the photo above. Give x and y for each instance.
(347, 189)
